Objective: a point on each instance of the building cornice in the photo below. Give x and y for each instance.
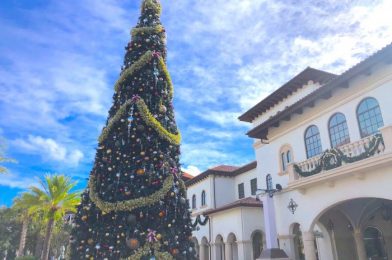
(324, 92)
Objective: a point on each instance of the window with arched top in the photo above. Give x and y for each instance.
(312, 141)
(374, 243)
(203, 198)
(369, 117)
(285, 157)
(193, 201)
(338, 130)
(268, 181)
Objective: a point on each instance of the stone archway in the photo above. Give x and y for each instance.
(231, 247)
(353, 229)
(197, 246)
(258, 243)
(204, 253)
(219, 248)
(298, 246)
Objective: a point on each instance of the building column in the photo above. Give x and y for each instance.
(228, 251)
(213, 251)
(359, 244)
(287, 245)
(309, 247)
(202, 252)
(245, 250)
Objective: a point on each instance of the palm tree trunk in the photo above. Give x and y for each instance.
(49, 228)
(38, 245)
(23, 235)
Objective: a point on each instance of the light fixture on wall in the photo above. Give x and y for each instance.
(269, 188)
(292, 206)
(350, 227)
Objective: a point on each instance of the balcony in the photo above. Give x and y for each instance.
(347, 160)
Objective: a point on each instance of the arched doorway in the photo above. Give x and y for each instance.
(374, 244)
(298, 242)
(197, 247)
(204, 252)
(231, 248)
(219, 248)
(257, 243)
(358, 229)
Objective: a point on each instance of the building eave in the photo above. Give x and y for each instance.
(324, 92)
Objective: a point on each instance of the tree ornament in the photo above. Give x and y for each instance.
(162, 109)
(140, 171)
(133, 243)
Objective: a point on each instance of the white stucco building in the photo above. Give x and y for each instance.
(227, 195)
(327, 140)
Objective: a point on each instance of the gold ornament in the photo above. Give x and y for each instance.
(140, 171)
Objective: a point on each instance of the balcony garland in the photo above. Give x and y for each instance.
(198, 221)
(333, 158)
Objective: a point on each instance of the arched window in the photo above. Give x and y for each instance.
(268, 181)
(369, 117)
(312, 141)
(257, 244)
(283, 161)
(203, 198)
(288, 156)
(285, 157)
(374, 243)
(338, 130)
(193, 201)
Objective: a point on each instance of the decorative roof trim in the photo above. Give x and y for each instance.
(248, 202)
(207, 173)
(286, 90)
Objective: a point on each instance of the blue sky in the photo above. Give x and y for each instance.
(60, 59)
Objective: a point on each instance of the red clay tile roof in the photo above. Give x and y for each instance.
(186, 176)
(222, 170)
(246, 202)
(325, 92)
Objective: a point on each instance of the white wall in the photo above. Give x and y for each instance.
(224, 190)
(377, 85)
(245, 178)
(197, 189)
(296, 96)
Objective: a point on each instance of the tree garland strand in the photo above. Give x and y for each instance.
(153, 5)
(151, 121)
(146, 250)
(120, 112)
(149, 30)
(129, 205)
(334, 158)
(142, 61)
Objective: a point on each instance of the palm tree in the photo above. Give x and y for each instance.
(2, 158)
(54, 199)
(21, 206)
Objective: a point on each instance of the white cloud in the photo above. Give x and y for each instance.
(48, 148)
(222, 118)
(192, 170)
(14, 180)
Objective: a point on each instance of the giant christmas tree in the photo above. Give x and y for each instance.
(135, 206)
